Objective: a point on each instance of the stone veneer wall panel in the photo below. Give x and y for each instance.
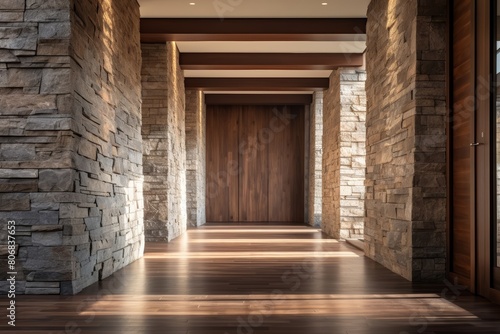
(154, 134)
(106, 64)
(316, 160)
(37, 176)
(164, 142)
(71, 152)
(406, 137)
(344, 154)
(195, 157)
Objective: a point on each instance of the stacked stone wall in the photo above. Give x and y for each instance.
(344, 154)
(406, 137)
(70, 143)
(316, 160)
(164, 138)
(195, 157)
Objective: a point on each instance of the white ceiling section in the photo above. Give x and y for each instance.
(261, 92)
(253, 8)
(256, 74)
(222, 9)
(273, 47)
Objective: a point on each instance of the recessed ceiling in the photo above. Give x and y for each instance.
(253, 8)
(266, 9)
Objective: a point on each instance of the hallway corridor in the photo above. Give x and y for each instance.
(222, 279)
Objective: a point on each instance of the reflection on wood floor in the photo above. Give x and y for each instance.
(245, 279)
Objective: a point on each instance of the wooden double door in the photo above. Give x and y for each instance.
(255, 163)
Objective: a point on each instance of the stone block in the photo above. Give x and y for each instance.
(72, 211)
(56, 180)
(47, 15)
(18, 185)
(12, 5)
(50, 238)
(48, 124)
(104, 255)
(19, 37)
(7, 56)
(14, 202)
(107, 269)
(87, 149)
(16, 77)
(17, 152)
(18, 173)
(92, 223)
(56, 81)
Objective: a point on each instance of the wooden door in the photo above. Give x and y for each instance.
(462, 135)
(255, 163)
(222, 164)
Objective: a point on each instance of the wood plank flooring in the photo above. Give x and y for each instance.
(245, 279)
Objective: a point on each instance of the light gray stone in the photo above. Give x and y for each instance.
(56, 81)
(58, 180)
(22, 37)
(18, 173)
(17, 152)
(47, 124)
(47, 238)
(344, 161)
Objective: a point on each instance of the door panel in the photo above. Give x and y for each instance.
(222, 164)
(286, 168)
(254, 162)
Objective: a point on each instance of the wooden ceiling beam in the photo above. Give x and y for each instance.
(192, 29)
(258, 99)
(257, 84)
(269, 61)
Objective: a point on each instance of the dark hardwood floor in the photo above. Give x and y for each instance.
(245, 279)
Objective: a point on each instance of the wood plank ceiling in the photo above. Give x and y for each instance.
(259, 51)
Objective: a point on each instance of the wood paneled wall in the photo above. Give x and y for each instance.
(255, 163)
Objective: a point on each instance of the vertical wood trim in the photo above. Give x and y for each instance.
(482, 268)
(473, 160)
